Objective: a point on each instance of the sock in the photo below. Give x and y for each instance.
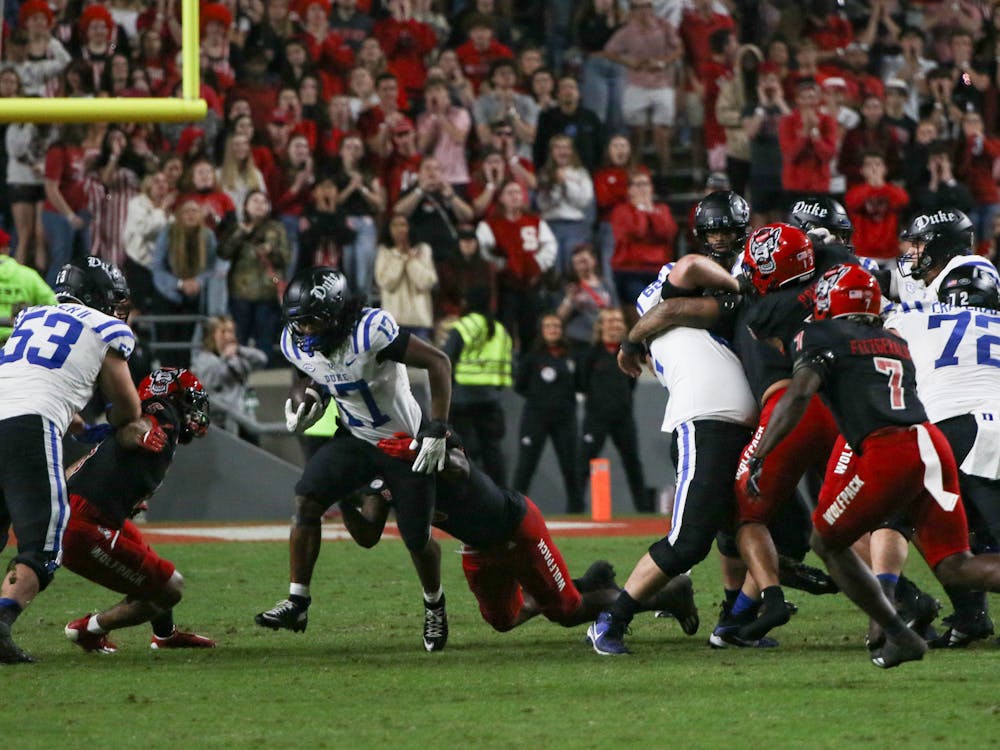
(888, 581)
(623, 610)
(742, 604)
(163, 624)
(967, 603)
(9, 610)
(434, 597)
(730, 596)
(300, 590)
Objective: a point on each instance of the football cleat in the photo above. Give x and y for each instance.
(180, 639)
(963, 631)
(600, 575)
(918, 611)
(677, 600)
(435, 626)
(10, 652)
(606, 636)
(287, 615)
(767, 619)
(797, 575)
(723, 637)
(77, 632)
(911, 647)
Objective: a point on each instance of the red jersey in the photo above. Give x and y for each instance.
(805, 165)
(65, 164)
(712, 74)
(399, 174)
(525, 246)
(644, 240)
(875, 215)
(476, 64)
(975, 167)
(329, 52)
(695, 30)
(610, 189)
(406, 44)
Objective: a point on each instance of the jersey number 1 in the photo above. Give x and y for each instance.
(894, 369)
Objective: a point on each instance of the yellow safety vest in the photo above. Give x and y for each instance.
(483, 361)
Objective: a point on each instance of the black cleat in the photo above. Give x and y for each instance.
(910, 647)
(677, 600)
(962, 631)
(10, 652)
(286, 615)
(918, 611)
(435, 626)
(797, 575)
(768, 618)
(600, 575)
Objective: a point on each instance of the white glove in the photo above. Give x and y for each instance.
(301, 419)
(820, 235)
(433, 448)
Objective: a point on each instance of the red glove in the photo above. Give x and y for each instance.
(155, 439)
(398, 446)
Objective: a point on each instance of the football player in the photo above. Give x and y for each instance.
(357, 356)
(866, 376)
(106, 488)
(959, 384)
(48, 369)
(824, 219)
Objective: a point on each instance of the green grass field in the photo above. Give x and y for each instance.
(359, 677)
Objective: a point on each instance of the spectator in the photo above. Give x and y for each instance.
(111, 183)
(711, 75)
(200, 186)
(220, 58)
(648, 47)
(761, 123)
(473, 12)
(699, 21)
(469, 270)
(541, 88)
(352, 26)
(942, 191)
(98, 44)
(570, 119)
(566, 199)
(20, 287)
(481, 51)
(223, 367)
(339, 123)
(116, 78)
(161, 71)
(260, 257)
(324, 229)
(874, 208)
(872, 134)
(608, 407)
(904, 126)
(361, 88)
(401, 167)
(27, 144)
(406, 42)
(326, 48)
(460, 88)
(44, 57)
(294, 177)
(494, 171)
(442, 132)
(145, 218)
(238, 175)
(860, 83)
(427, 13)
(916, 156)
(376, 124)
(910, 66)
(587, 295)
(65, 218)
(976, 156)
(644, 232)
(522, 247)
(405, 275)
(603, 79)
(808, 140)
(361, 197)
(434, 211)
(272, 32)
(503, 103)
(969, 82)
(610, 189)
(828, 28)
(738, 94)
(545, 378)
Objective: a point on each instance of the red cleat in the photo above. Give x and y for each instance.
(180, 639)
(77, 632)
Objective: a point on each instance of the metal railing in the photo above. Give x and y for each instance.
(148, 323)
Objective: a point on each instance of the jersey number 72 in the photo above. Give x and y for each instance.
(961, 320)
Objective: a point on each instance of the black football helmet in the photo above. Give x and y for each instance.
(942, 235)
(970, 285)
(726, 212)
(94, 283)
(319, 309)
(183, 389)
(822, 212)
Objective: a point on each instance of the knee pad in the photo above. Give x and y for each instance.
(309, 511)
(666, 558)
(44, 565)
(688, 551)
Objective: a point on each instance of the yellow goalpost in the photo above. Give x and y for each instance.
(140, 109)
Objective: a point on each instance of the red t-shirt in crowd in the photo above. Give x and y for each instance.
(644, 240)
(695, 31)
(476, 64)
(65, 164)
(610, 189)
(805, 165)
(875, 215)
(976, 169)
(517, 241)
(712, 74)
(406, 44)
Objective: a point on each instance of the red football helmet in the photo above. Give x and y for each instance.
(185, 392)
(846, 290)
(777, 254)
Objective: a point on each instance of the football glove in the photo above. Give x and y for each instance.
(747, 289)
(398, 446)
(94, 433)
(305, 416)
(433, 448)
(755, 465)
(154, 439)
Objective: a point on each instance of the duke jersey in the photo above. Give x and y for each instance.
(51, 361)
(908, 289)
(956, 351)
(115, 479)
(701, 373)
(373, 396)
(869, 380)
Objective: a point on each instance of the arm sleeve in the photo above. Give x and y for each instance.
(547, 247)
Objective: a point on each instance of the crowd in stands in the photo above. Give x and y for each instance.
(430, 147)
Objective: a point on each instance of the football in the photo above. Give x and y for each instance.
(304, 391)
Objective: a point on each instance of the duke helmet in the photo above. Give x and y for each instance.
(94, 283)
(776, 255)
(319, 309)
(845, 291)
(822, 212)
(722, 211)
(970, 285)
(944, 234)
(182, 389)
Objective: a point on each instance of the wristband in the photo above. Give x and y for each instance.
(633, 348)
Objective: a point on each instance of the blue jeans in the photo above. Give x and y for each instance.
(601, 91)
(65, 243)
(291, 224)
(259, 321)
(359, 256)
(983, 215)
(569, 236)
(606, 247)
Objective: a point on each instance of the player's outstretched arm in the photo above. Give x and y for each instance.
(789, 410)
(421, 354)
(366, 523)
(116, 384)
(700, 272)
(694, 312)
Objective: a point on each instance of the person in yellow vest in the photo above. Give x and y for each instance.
(481, 353)
(20, 287)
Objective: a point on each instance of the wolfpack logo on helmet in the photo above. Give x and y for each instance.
(763, 243)
(160, 382)
(813, 209)
(821, 301)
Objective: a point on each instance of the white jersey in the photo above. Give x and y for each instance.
(908, 289)
(373, 398)
(50, 363)
(956, 353)
(703, 376)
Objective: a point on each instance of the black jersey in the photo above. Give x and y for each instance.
(115, 479)
(547, 380)
(869, 380)
(476, 511)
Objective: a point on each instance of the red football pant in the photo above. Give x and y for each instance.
(529, 562)
(118, 559)
(860, 492)
(809, 444)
